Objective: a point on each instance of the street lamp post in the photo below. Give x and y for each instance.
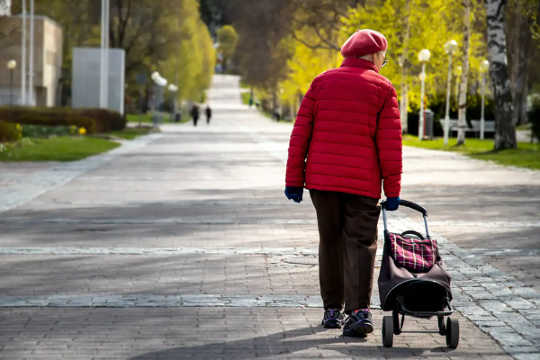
(173, 88)
(159, 82)
(484, 65)
(30, 94)
(23, 53)
(104, 56)
(423, 57)
(449, 47)
(11, 65)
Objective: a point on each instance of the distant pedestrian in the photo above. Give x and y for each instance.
(208, 113)
(195, 114)
(348, 128)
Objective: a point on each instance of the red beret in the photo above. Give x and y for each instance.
(364, 42)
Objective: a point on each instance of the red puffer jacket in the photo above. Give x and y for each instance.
(349, 129)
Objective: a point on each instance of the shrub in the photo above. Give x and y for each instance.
(534, 118)
(10, 132)
(42, 131)
(93, 120)
(106, 120)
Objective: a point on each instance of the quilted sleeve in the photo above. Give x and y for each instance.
(389, 144)
(299, 141)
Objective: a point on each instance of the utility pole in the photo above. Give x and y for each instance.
(23, 53)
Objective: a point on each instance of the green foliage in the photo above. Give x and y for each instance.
(93, 120)
(534, 118)
(106, 120)
(55, 149)
(227, 39)
(526, 155)
(139, 118)
(43, 131)
(193, 59)
(245, 97)
(10, 132)
(263, 50)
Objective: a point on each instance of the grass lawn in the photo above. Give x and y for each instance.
(526, 155)
(130, 133)
(64, 148)
(136, 118)
(245, 97)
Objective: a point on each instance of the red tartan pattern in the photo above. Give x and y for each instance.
(413, 254)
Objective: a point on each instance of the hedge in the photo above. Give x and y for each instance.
(93, 120)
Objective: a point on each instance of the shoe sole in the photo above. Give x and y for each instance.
(358, 329)
(331, 324)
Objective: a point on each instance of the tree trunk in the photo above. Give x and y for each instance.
(462, 107)
(505, 132)
(521, 45)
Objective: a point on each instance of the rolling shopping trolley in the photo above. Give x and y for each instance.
(413, 282)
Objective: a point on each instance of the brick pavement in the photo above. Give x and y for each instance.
(182, 246)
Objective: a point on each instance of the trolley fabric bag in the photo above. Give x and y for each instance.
(413, 253)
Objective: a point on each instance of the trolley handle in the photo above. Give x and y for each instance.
(410, 205)
(413, 206)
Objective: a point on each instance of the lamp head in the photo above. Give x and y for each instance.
(11, 64)
(424, 55)
(450, 46)
(484, 65)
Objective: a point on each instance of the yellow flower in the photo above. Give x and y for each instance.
(18, 127)
(82, 131)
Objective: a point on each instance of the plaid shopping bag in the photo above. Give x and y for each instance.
(414, 254)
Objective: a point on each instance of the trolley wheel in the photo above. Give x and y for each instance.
(452, 333)
(388, 331)
(442, 328)
(397, 325)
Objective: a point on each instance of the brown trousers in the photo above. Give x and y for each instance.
(347, 246)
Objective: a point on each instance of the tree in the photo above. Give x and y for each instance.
(521, 15)
(227, 40)
(320, 22)
(262, 53)
(505, 132)
(214, 14)
(462, 105)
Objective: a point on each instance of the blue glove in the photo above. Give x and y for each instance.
(294, 193)
(392, 203)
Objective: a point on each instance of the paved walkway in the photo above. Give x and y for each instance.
(181, 245)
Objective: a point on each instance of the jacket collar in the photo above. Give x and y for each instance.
(356, 62)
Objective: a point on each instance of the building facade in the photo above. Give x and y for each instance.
(48, 41)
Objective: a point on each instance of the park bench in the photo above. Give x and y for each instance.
(489, 127)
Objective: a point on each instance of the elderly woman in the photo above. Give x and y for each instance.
(348, 128)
